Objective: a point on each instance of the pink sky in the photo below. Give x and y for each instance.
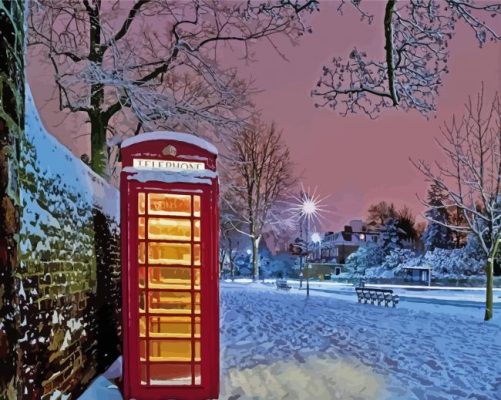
(353, 160)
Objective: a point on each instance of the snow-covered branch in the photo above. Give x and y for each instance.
(108, 65)
(416, 34)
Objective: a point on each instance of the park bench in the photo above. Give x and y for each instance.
(282, 284)
(375, 295)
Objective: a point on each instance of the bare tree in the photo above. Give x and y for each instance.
(228, 225)
(262, 175)
(417, 34)
(155, 63)
(380, 212)
(471, 179)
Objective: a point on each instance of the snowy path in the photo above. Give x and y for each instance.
(279, 345)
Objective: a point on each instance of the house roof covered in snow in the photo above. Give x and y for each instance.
(167, 135)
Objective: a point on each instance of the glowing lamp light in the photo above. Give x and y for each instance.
(309, 207)
(249, 251)
(315, 238)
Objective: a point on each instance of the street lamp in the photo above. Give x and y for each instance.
(308, 205)
(309, 210)
(315, 238)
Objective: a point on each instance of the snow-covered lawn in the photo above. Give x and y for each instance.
(277, 344)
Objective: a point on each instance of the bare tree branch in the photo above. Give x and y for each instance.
(416, 34)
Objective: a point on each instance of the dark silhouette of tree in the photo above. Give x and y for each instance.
(380, 212)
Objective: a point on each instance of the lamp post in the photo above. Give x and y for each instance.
(309, 206)
(309, 209)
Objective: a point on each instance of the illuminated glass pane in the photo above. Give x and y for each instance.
(140, 228)
(197, 302)
(196, 206)
(196, 251)
(142, 302)
(198, 374)
(198, 356)
(170, 350)
(170, 327)
(141, 277)
(169, 302)
(169, 229)
(141, 202)
(169, 204)
(142, 350)
(140, 253)
(169, 253)
(144, 379)
(196, 272)
(196, 234)
(170, 374)
(169, 278)
(197, 327)
(142, 326)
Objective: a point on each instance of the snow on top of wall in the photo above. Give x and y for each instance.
(177, 136)
(189, 176)
(57, 160)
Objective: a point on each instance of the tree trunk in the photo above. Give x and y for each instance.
(232, 266)
(99, 150)
(255, 257)
(489, 272)
(301, 272)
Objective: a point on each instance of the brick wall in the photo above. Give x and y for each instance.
(69, 269)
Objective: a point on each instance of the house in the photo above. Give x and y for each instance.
(335, 247)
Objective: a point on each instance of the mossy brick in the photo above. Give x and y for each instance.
(60, 278)
(45, 279)
(34, 267)
(31, 281)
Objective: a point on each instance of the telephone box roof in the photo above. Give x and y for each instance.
(176, 136)
(200, 177)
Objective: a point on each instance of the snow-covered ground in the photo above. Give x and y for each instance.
(278, 344)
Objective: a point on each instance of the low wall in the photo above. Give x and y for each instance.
(69, 268)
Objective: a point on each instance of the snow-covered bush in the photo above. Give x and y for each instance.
(281, 265)
(453, 262)
(365, 257)
(397, 257)
(473, 248)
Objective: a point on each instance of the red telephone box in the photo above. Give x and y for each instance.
(170, 292)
